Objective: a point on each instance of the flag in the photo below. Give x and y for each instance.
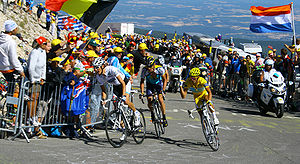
(175, 35)
(69, 23)
(108, 36)
(149, 33)
(90, 12)
(271, 19)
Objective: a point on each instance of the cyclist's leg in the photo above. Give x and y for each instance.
(127, 94)
(212, 109)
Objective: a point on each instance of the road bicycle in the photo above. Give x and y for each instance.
(158, 120)
(120, 124)
(209, 129)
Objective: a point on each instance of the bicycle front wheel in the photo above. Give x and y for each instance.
(139, 132)
(210, 133)
(159, 129)
(116, 129)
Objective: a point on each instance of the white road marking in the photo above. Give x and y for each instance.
(244, 115)
(175, 110)
(234, 114)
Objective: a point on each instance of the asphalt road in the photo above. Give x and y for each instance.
(246, 137)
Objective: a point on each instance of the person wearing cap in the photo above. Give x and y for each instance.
(130, 48)
(48, 20)
(9, 64)
(139, 57)
(40, 9)
(37, 76)
(127, 64)
(259, 61)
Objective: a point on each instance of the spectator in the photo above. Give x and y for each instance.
(4, 5)
(40, 9)
(48, 20)
(139, 57)
(250, 66)
(9, 63)
(37, 76)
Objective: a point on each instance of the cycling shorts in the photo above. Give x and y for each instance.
(154, 88)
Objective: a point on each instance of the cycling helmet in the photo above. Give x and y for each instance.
(98, 62)
(150, 61)
(195, 72)
(269, 62)
(161, 59)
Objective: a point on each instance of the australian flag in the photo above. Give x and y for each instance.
(69, 23)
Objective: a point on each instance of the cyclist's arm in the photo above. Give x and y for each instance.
(142, 85)
(103, 92)
(167, 75)
(164, 82)
(183, 92)
(123, 84)
(209, 92)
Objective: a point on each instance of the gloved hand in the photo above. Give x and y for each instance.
(181, 83)
(141, 95)
(124, 98)
(208, 102)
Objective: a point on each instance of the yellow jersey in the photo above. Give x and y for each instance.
(198, 89)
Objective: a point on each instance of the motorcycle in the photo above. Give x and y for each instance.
(272, 98)
(175, 71)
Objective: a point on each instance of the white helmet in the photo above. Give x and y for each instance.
(269, 62)
(98, 62)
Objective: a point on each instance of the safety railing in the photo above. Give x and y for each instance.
(41, 105)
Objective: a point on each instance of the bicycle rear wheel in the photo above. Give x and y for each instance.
(139, 132)
(116, 129)
(210, 133)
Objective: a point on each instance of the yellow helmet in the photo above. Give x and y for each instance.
(143, 46)
(270, 52)
(118, 49)
(41, 4)
(195, 72)
(130, 55)
(230, 49)
(57, 59)
(55, 42)
(92, 54)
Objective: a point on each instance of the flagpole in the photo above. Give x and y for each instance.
(293, 23)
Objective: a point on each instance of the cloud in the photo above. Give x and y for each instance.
(208, 20)
(183, 6)
(276, 36)
(143, 25)
(181, 24)
(155, 18)
(143, 3)
(195, 9)
(238, 16)
(220, 25)
(239, 28)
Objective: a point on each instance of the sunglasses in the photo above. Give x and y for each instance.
(194, 78)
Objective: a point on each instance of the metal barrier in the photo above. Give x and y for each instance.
(10, 107)
(39, 105)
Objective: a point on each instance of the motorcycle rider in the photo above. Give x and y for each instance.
(268, 71)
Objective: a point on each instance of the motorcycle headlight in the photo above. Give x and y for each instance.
(176, 71)
(273, 90)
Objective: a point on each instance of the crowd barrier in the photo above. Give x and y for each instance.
(28, 106)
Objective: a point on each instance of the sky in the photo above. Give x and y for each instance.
(227, 17)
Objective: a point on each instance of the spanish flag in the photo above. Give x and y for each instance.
(90, 12)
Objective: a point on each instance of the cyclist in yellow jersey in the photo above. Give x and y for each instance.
(201, 91)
